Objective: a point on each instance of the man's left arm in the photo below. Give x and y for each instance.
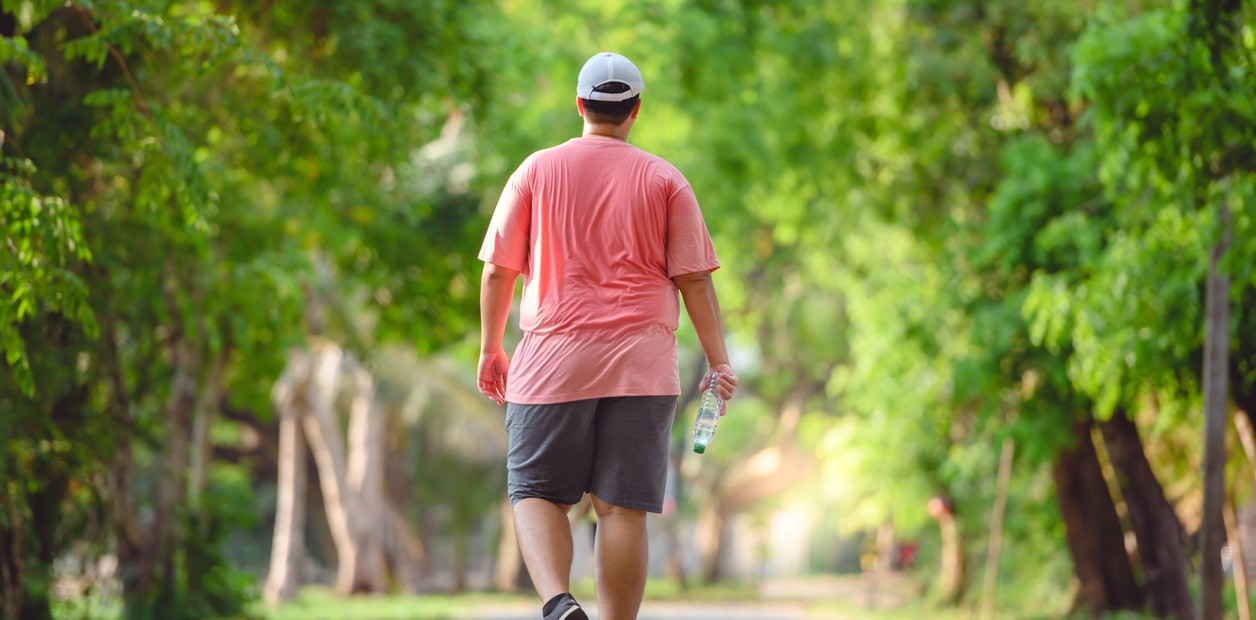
(698, 293)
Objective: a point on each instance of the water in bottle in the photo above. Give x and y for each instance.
(708, 416)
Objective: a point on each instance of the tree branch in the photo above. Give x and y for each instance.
(86, 16)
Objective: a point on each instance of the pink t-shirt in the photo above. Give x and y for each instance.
(598, 227)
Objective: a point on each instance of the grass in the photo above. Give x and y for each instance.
(316, 603)
(91, 608)
(321, 603)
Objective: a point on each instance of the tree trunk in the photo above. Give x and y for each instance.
(1155, 525)
(404, 551)
(884, 563)
(403, 547)
(351, 486)
(679, 449)
(168, 530)
(995, 547)
(1238, 560)
(1216, 400)
(350, 474)
(323, 434)
(31, 569)
(365, 481)
(461, 559)
(206, 405)
(1095, 539)
(710, 534)
(1247, 436)
(12, 592)
(123, 515)
(953, 565)
(45, 516)
(289, 541)
(675, 567)
(126, 523)
(509, 561)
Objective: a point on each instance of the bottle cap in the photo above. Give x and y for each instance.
(699, 448)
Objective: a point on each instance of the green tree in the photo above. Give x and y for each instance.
(1171, 98)
(213, 162)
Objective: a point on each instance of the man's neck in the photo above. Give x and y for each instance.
(618, 132)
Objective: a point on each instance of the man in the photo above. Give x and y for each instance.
(604, 234)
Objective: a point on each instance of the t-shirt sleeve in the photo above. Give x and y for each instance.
(689, 247)
(508, 240)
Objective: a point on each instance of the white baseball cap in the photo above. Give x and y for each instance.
(605, 68)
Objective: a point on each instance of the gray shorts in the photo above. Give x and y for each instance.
(615, 448)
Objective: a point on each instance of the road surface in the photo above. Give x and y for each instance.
(677, 611)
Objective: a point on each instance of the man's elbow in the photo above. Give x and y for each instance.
(697, 278)
(494, 272)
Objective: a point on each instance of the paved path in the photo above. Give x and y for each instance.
(783, 600)
(679, 611)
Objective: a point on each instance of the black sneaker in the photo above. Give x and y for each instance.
(563, 607)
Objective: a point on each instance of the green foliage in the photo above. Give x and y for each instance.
(1173, 130)
(1173, 119)
(948, 222)
(179, 177)
(43, 242)
(210, 587)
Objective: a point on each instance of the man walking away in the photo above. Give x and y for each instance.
(605, 235)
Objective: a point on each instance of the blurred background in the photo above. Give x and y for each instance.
(988, 281)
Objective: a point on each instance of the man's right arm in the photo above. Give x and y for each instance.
(497, 291)
(703, 306)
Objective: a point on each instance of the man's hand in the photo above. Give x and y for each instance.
(726, 385)
(492, 375)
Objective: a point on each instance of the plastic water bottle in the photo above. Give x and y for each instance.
(708, 416)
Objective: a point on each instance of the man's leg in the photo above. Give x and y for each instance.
(622, 552)
(628, 480)
(550, 452)
(544, 535)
